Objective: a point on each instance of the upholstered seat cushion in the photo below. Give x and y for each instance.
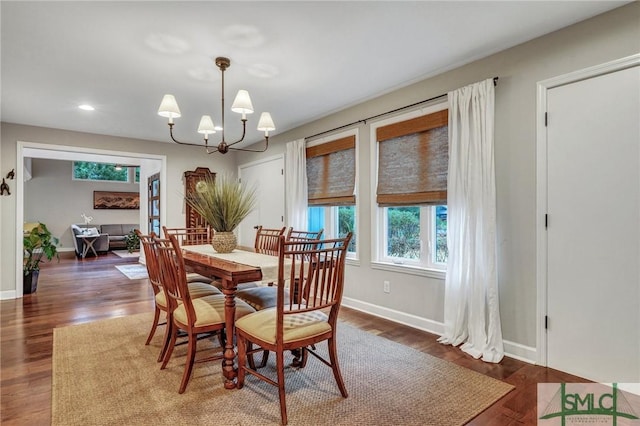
(261, 297)
(196, 290)
(262, 325)
(193, 277)
(210, 310)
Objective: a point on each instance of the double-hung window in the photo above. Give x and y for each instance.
(411, 157)
(331, 177)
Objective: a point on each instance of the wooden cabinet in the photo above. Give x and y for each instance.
(191, 178)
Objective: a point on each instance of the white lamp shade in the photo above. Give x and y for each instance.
(266, 122)
(206, 126)
(169, 107)
(242, 103)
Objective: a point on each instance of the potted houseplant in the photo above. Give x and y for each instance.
(38, 245)
(132, 241)
(223, 202)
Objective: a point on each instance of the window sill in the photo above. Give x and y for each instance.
(408, 269)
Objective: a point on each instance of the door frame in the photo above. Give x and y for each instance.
(542, 87)
(25, 149)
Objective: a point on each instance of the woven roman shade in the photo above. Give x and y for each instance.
(331, 172)
(413, 157)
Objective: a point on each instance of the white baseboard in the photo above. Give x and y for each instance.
(7, 294)
(511, 349)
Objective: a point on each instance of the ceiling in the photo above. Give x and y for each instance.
(299, 60)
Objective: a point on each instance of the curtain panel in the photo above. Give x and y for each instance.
(471, 310)
(295, 166)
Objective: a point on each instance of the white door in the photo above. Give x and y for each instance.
(268, 177)
(593, 234)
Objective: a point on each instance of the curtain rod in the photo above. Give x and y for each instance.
(364, 120)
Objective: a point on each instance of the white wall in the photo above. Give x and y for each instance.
(55, 199)
(419, 300)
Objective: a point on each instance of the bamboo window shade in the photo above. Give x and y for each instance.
(413, 157)
(331, 172)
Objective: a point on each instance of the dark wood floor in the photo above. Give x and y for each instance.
(73, 292)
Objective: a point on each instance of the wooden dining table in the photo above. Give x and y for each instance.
(233, 268)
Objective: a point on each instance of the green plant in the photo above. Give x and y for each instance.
(223, 201)
(38, 243)
(132, 241)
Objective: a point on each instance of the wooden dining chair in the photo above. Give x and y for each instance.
(191, 237)
(194, 316)
(298, 324)
(196, 289)
(267, 240)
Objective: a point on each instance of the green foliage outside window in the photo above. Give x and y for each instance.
(403, 239)
(346, 224)
(99, 171)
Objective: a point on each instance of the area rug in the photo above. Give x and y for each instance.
(125, 253)
(103, 374)
(133, 271)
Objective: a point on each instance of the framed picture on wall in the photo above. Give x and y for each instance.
(116, 200)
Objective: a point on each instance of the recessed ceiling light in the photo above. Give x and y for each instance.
(86, 107)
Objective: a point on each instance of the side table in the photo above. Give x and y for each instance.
(88, 241)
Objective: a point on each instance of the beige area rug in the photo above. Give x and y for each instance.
(125, 253)
(133, 271)
(103, 374)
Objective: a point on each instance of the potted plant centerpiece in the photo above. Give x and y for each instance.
(223, 202)
(37, 243)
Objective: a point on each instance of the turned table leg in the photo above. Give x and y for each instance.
(228, 370)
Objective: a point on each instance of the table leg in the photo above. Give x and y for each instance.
(228, 370)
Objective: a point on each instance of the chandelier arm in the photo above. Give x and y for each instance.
(206, 146)
(244, 131)
(254, 150)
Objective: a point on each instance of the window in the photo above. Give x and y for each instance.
(411, 153)
(406, 230)
(331, 177)
(86, 170)
(337, 222)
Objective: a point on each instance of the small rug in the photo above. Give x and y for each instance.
(125, 254)
(133, 271)
(103, 374)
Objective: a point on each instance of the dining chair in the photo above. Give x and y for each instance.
(261, 297)
(196, 289)
(298, 324)
(190, 237)
(193, 316)
(267, 240)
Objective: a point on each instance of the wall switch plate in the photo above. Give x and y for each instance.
(386, 287)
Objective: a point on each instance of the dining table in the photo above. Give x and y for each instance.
(231, 269)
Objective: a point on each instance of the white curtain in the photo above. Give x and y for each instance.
(471, 311)
(295, 165)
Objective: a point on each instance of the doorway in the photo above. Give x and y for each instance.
(149, 163)
(589, 223)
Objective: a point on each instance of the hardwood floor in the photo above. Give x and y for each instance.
(73, 292)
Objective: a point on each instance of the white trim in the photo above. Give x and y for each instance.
(409, 269)
(52, 151)
(8, 294)
(511, 349)
(542, 88)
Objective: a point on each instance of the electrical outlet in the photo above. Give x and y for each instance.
(386, 287)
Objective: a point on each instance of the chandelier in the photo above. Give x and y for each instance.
(241, 104)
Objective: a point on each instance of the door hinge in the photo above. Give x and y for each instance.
(546, 119)
(546, 221)
(546, 322)
(282, 172)
(282, 219)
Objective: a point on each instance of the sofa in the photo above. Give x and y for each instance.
(110, 236)
(117, 233)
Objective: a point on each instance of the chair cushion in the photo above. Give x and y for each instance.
(196, 290)
(262, 325)
(193, 277)
(210, 310)
(261, 297)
